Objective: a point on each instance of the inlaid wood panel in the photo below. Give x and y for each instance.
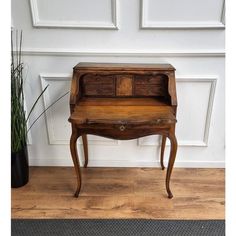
(124, 85)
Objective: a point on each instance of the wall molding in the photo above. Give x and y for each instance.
(144, 24)
(52, 140)
(121, 163)
(136, 53)
(80, 25)
(66, 77)
(204, 141)
(222, 19)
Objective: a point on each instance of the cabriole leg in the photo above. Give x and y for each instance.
(163, 145)
(74, 154)
(173, 151)
(85, 145)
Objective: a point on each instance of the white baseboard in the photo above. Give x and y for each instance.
(122, 163)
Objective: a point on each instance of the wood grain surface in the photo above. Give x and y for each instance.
(121, 193)
(124, 85)
(122, 66)
(130, 114)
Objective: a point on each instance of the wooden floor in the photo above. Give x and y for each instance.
(121, 193)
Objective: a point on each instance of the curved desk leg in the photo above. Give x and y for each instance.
(85, 145)
(173, 151)
(75, 159)
(163, 145)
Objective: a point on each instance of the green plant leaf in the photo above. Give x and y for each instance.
(36, 102)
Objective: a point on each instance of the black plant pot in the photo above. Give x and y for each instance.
(19, 168)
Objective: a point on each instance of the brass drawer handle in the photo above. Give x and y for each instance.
(165, 121)
(122, 128)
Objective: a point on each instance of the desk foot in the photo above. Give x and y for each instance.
(170, 195)
(76, 195)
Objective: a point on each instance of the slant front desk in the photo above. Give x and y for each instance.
(123, 101)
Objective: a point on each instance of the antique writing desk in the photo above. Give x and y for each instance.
(123, 101)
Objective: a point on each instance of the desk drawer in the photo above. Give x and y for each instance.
(123, 132)
(149, 90)
(98, 79)
(123, 126)
(150, 85)
(99, 90)
(150, 79)
(99, 85)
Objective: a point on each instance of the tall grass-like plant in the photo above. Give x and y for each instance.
(18, 114)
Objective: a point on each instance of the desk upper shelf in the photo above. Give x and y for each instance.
(114, 80)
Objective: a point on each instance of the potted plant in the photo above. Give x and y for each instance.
(19, 153)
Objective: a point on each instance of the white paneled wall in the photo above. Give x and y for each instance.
(188, 34)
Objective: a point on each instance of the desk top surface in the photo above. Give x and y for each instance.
(117, 110)
(122, 66)
(118, 114)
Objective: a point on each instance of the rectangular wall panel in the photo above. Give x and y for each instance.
(182, 14)
(195, 99)
(74, 13)
(58, 127)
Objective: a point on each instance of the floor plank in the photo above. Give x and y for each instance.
(121, 193)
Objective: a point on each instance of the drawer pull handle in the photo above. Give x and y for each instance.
(122, 128)
(166, 121)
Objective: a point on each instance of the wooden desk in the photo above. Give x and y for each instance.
(123, 101)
